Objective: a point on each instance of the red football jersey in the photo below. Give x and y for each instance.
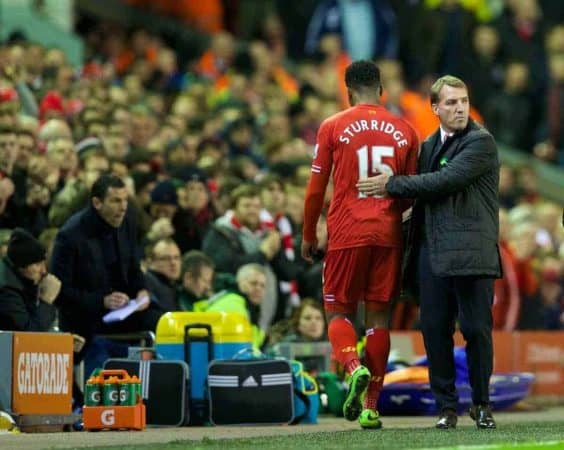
(359, 142)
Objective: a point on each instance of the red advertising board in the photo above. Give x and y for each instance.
(538, 352)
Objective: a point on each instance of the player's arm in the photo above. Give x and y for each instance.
(315, 193)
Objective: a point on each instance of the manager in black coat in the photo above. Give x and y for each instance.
(453, 243)
(95, 257)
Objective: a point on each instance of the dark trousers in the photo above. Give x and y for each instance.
(97, 349)
(443, 299)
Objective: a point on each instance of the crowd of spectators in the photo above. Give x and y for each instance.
(215, 150)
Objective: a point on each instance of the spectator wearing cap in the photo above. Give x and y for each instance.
(196, 213)
(26, 288)
(162, 209)
(164, 200)
(51, 107)
(85, 146)
(52, 129)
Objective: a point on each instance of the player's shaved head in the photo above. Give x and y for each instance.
(363, 82)
(362, 74)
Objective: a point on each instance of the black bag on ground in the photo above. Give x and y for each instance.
(255, 391)
(164, 388)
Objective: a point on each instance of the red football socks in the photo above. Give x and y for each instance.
(377, 351)
(342, 336)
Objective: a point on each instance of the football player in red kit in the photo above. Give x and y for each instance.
(364, 251)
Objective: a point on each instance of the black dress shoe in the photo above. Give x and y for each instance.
(483, 417)
(447, 420)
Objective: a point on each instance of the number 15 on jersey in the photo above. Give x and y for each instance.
(370, 164)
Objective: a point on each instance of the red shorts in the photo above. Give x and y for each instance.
(355, 274)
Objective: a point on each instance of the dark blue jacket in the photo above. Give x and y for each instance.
(78, 260)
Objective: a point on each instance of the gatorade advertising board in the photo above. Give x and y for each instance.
(42, 373)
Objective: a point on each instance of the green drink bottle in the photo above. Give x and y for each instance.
(93, 392)
(111, 392)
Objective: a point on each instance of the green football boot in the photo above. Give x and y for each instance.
(369, 419)
(358, 384)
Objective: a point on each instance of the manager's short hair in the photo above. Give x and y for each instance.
(448, 80)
